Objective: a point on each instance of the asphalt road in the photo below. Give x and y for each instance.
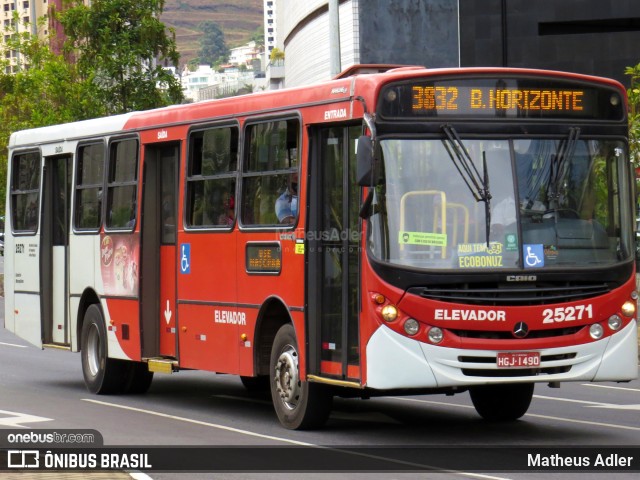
(45, 390)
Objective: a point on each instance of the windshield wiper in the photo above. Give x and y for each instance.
(478, 184)
(565, 152)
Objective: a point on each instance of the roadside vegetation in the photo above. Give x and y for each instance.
(111, 62)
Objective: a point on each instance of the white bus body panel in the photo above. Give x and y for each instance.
(61, 323)
(27, 323)
(82, 258)
(22, 287)
(395, 361)
(22, 272)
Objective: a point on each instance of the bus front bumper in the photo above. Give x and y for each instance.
(397, 362)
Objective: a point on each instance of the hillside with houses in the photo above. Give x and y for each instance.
(238, 19)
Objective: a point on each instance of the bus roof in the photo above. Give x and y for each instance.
(64, 131)
(361, 82)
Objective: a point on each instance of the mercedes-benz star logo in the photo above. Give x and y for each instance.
(521, 330)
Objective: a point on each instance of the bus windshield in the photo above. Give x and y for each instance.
(547, 203)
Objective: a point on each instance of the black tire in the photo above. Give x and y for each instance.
(139, 378)
(299, 405)
(502, 403)
(102, 375)
(256, 384)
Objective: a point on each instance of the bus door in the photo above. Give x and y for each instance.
(55, 250)
(333, 269)
(158, 257)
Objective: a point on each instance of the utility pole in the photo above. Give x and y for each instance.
(334, 38)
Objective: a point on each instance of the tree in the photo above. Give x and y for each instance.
(633, 96)
(277, 56)
(213, 47)
(110, 68)
(123, 47)
(44, 89)
(258, 37)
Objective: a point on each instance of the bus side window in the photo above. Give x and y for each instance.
(89, 184)
(211, 177)
(270, 166)
(122, 188)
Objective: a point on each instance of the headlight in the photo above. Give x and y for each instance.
(435, 335)
(389, 313)
(411, 326)
(596, 331)
(615, 322)
(628, 308)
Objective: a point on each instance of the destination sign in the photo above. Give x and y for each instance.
(264, 258)
(500, 98)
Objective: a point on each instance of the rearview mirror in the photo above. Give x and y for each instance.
(365, 174)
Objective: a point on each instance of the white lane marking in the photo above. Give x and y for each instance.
(371, 417)
(599, 404)
(417, 400)
(279, 439)
(613, 406)
(588, 404)
(584, 422)
(610, 387)
(198, 422)
(139, 476)
(13, 345)
(14, 419)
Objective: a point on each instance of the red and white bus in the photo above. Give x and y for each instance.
(400, 232)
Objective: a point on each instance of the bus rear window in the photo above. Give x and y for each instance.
(25, 192)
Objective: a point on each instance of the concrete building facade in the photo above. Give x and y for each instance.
(27, 12)
(597, 37)
(270, 27)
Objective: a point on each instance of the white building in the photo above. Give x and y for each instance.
(192, 82)
(29, 11)
(270, 27)
(244, 55)
(205, 83)
(304, 30)
(399, 32)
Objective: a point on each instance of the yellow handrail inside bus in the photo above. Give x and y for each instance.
(442, 209)
(455, 209)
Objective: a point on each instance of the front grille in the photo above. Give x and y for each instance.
(503, 294)
(553, 332)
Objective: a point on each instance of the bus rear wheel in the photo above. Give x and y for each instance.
(502, 403)
(299, 405)
(102, 375)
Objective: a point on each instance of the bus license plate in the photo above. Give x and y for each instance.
(518, 359)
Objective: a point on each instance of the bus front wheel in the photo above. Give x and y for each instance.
(299, 405)
(502, 403)
(102, 375)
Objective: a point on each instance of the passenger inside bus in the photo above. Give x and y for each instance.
(228, 215)
(287, 202)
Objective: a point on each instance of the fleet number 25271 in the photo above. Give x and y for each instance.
(567, 314)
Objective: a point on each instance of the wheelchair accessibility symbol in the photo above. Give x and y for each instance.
(533, 255)
(185, 258)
